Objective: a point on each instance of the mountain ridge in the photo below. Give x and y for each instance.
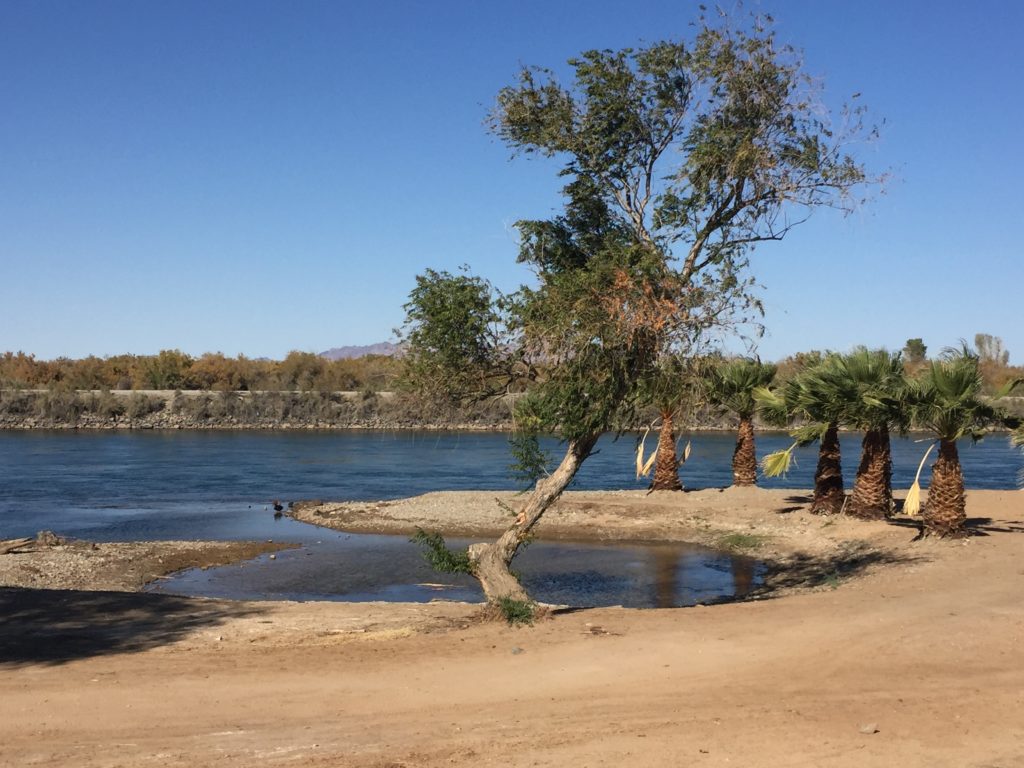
(385, 348)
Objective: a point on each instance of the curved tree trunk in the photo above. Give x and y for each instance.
(828, 478)
(744, 458)
(871, 498)
(945, 514)
(666, 465)
(490, 561)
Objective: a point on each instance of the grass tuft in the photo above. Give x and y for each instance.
(737, 541)
(517, 612)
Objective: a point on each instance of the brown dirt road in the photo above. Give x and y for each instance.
(919, 662)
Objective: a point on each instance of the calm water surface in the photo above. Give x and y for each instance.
(216, 485)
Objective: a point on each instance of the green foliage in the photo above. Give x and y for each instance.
(453, 337)
(740, 541)
(166, 370)
(172, 369)
(732, 386)
(946, 398)
(517, 612)
(436, 552)
(915, 351)
(530, 461)
(874, 390)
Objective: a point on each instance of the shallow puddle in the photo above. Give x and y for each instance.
(362, 567)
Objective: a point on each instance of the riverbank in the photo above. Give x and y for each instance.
(244, 410)
(913, 659)
(801, 550)
(52, 562)
(261, 410)
(22, 409)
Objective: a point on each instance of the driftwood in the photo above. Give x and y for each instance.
(42, 540)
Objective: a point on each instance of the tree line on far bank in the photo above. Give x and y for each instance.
(172, 369)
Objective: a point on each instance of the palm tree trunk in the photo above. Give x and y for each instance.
(744, 458)
(828, 478)
(666, 465)
(490, 561)
(871, 498)
(945, 514)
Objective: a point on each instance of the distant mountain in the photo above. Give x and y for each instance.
(343, 353)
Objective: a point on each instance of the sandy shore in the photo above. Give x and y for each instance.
(879, 651)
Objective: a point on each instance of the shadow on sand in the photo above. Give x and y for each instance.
(803, 571)
(52, 626)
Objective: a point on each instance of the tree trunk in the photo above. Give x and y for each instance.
(490, 561)
(744, 458)
(666, 465)
(945, 514)
(828, 478)
(871, 498)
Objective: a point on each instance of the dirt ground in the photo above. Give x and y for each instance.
(866, 648)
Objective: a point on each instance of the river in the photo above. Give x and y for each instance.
(136, 485)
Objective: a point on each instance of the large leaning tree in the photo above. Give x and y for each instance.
(678, 158)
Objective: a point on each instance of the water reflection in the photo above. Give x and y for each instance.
(674, 567)
(357, 568)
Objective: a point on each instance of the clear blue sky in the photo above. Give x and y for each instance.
(256, 177)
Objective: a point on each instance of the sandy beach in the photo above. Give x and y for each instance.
(866, 647)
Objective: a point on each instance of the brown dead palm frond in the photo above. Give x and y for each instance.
(912, 504)
(643, 467)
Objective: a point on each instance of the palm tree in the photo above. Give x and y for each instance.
(668, 388)
(876, 405)
(816, 397)
(946, 400)
(730, 387)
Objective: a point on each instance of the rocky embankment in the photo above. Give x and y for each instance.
(166, 409)
(157, 409)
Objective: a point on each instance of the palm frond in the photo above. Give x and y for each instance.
(686, 454)
(809, 434)
(640, 454)
(650, 463)
(1007, 388)
(912, 505)
(778, 464)
(731, 385)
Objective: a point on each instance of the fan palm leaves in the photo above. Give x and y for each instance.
(877, 404)
(730, 387)
(816, 397)
(946, 400)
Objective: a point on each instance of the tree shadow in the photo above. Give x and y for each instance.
(51, 626)
(804, 571)
(798, 502)
(800, 498)
(985, 526)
